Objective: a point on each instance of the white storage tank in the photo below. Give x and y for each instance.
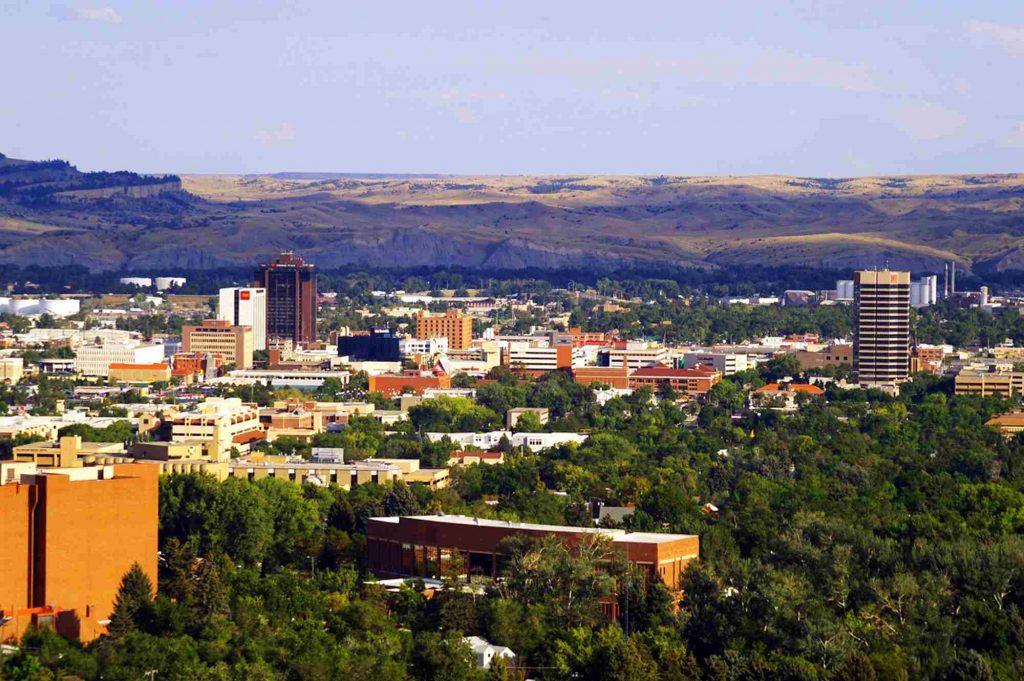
(24, 306)
(164, 283)
(141, 282)
(60, 307)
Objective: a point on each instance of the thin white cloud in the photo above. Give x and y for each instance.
(103, 15)
(283, 133)
(925, 121)
(766, 68)
(1006, 36)
(1015, 136)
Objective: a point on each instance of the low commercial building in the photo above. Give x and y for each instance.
(984, 383)
(512, 415)
(695, 382)
(438, 546)
(139, 373)
(68, 452)
(282, 378)
(492, 440)
(233, 344)
(95, 360)
(1009, 425)
(783, 396)
(613, 377)
(68, 537)
(840, 354)
(480, 458)
(396, 384)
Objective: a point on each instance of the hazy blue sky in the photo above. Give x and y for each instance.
(558, 86)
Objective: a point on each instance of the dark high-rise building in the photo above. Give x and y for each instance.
(291, 298)
(881, 345)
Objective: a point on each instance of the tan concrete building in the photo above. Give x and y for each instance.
(985, 383)
(831, 356)
(453, 325)
(1007, 424)
(217, 337)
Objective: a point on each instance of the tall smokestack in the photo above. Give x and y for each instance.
(945, 280)
(952, 279)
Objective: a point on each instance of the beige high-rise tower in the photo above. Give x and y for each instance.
(881, 345)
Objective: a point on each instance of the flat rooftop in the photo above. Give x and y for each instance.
(616, 535)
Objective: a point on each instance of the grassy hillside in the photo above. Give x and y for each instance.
(115, 220)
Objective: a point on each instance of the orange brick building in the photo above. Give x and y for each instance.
(396, 384)
(614, 377)
(453, 325)
(690, 382)
(67, 537)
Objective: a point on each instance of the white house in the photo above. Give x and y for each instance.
(485, 652)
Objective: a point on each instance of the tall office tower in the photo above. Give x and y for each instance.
(245, 307)
(291, 298)
(881, 342)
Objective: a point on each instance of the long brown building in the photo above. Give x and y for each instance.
(291, 298)
(881, 346)
(67, 537)
(440, 546)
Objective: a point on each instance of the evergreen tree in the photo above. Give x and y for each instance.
(133, 607)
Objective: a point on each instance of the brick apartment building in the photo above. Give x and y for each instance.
(68, 536)
(453, 325)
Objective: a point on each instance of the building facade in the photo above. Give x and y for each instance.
(694, 382)
(290, 286)
(95, 360)
(881, 346)
(460, 546)
(245, 307)
(68, 537)
(453, 325)
(233, 344)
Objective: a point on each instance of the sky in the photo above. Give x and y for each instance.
(740, 87)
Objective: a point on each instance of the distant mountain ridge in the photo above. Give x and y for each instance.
(53, 214)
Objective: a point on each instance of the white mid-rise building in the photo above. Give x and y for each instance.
(422, 346)
(95, 360)
(226, 420)
(636, 356)
(727, 363)
(245, 307)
